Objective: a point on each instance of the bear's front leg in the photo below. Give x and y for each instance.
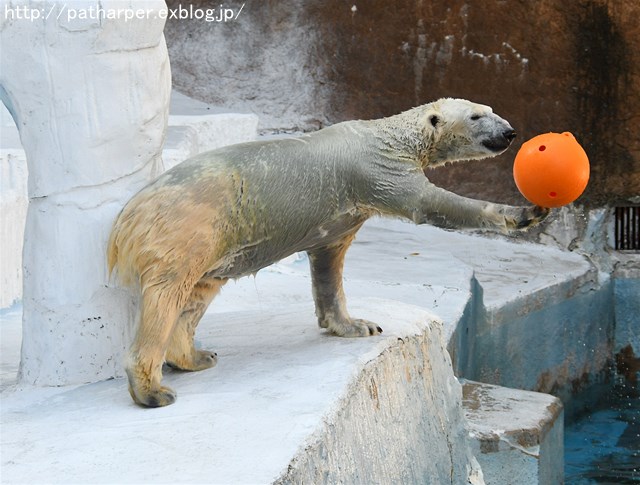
(446, 209)
(416, 198)
(331, 308)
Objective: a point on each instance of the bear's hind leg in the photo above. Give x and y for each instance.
(331, 306)
(181, 353)
(162, 301)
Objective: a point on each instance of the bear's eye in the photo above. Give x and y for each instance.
(434, 120)
(476, 117)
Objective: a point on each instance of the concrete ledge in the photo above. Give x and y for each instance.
(196, 127)
(287, 402)
(190, 135)
(517, 435)
(400, 422)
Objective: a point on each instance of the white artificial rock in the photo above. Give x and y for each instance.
(180, 143)
(196, 127)
(13, 209)
(399, 421)
(287, 402)
(90, 99)
(201, 131)
(190, 135)
(214, 131)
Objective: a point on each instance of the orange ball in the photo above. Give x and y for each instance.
(551, 170)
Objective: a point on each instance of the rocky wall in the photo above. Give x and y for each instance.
(545, 66)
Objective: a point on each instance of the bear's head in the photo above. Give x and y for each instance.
(457, 129)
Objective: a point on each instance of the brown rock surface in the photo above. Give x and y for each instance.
(546, 66)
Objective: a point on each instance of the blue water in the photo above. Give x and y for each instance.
(602, 446)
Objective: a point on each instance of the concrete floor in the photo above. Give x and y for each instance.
(276, 367)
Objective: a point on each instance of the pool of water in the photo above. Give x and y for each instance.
(602, 444)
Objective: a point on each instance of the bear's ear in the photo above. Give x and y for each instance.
(433, 119)
(432, 123)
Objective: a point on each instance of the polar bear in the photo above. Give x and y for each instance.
(230, 212)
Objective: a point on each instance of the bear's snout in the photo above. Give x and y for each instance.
(509, 135)
(501, 141)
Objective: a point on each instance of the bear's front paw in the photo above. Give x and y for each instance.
(354, 327)
(526, 217)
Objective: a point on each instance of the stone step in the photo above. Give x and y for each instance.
(517, 436)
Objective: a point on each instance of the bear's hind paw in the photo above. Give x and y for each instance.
(154, 399)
